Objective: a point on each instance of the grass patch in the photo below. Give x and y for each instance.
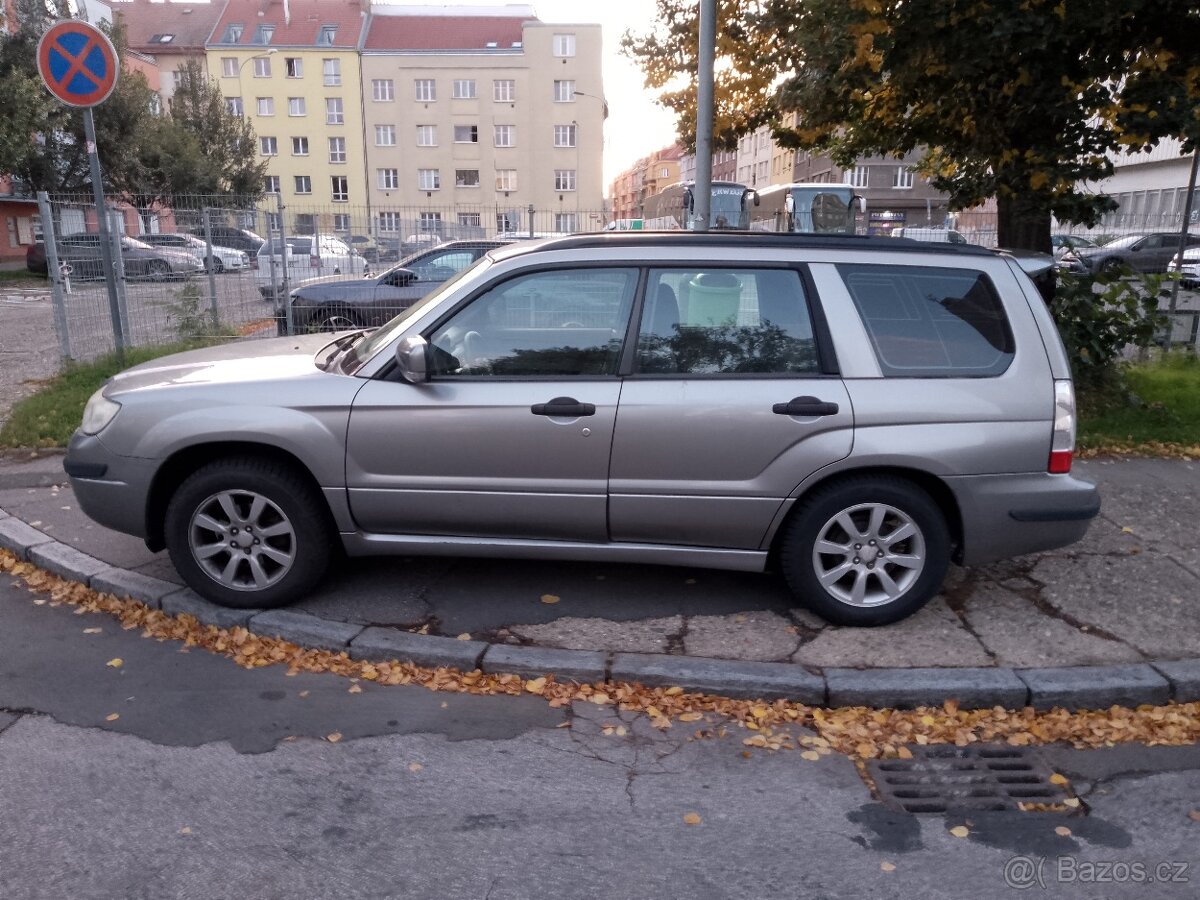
(22, 278)
(1151, 408)
(50, 417)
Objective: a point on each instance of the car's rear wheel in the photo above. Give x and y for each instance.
(248, 533)
(217, 266)
(867, 550)
(1112, 267)
(334, 318)
(158, 269)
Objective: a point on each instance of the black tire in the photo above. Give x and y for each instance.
(890, 590)
(334, 318)
(158, 270)
(1114, 268)
(203, 539)
(217, 266)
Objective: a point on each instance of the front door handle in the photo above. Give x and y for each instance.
(805, 406)
(565, 407)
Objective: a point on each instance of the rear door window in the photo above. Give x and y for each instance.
(929, 322)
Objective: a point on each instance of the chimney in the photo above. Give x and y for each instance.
(287, 13)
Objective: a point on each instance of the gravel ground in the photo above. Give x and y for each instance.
(28, 345)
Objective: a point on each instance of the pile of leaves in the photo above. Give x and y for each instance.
(858, 732)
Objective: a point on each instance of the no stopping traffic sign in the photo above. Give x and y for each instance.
(78, 63)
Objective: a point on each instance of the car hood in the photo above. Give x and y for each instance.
(238, 362)
(334, 286)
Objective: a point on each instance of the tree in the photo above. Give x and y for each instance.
(1021, 100)
(226, 141)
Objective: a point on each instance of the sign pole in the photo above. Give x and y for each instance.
(110, 281)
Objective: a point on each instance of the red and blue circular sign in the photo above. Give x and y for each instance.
(78, 63)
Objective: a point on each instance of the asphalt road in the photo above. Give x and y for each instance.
(219, 782)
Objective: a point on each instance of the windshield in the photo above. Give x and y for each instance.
(130, 244)
(1127, 241)
(382, 336)
(728, 207)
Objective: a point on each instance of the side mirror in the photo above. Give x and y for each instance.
(412, 358)
(401, 277)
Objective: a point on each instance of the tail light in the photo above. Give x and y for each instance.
(1062, 444)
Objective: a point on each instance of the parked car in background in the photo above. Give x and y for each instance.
(375, 250)
(931, 235)
(1140, 252)
(333, 303)
(856, 413)
(1061, 243)
(225, 259)
(235, 238)
(306, 256)
(35, 258)
(141, 261)
(1189, 272)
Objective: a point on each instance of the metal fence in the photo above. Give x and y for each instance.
(203, 276)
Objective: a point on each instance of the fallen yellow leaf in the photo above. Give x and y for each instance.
(1062, 831)
(1058, 779)
(304, 693)
(93, 630)
(1072, 802)
(904, 753)
(185, 830)
(960, 831)
(1194, 815)
(550, 598)
(334, 737)
(465, 636)
(415, 767)
(691, 717)
(887, 866)
(354, 689)
(112, 717)
(115, 663)
(692, 819)
(535, 685)
(810, 755)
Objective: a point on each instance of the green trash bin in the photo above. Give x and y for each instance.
(713, 299)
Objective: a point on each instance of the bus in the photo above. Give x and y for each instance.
(805, 209)
(674, 207)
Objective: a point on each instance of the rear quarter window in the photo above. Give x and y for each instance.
(931, 322)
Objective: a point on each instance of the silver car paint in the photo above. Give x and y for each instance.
(272, 392)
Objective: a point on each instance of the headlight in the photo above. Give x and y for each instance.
(98, 413)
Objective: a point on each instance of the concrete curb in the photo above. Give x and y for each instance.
(1073, 687)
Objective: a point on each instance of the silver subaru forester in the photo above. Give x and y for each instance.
(859, 412)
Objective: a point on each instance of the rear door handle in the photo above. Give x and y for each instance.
(566, 407)
(805, 406)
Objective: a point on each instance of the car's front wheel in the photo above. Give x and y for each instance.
(334, 318)
(867, 550)
(248, 533)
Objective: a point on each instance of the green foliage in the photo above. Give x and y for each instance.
(191, 319)
(1153, 406)
(1020, 100)
(1098, 317)
(49, 417)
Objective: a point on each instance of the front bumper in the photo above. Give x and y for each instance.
(1010, 515)
(112, 490)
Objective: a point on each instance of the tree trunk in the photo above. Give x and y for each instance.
(1020, 228)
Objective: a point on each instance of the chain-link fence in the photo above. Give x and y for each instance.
(201, 267)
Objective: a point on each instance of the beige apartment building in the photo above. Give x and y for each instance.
(474, 115)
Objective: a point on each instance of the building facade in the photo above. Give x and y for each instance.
(172, 34)
(647, 176)
(474, 116)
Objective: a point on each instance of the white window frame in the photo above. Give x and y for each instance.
(425, 90)
(335, 111)
(427, 131)
(904, 179)
(389, 179)
(229, 67)
(297, 106)
(271, 184)
(389, 222)
(429, 179)
(564, 45)
(342, 182)
(331, 69)
(565, 222)
(235, 106)
(302, 184)
(564, 135)
(383, 90)
(266, 106)
(504, 135)
(506, 180)
(464, 89)
(337, 150)
(564, 179)
(504, 90)
(564, 90)
(341, 222)
(300, 146)
(476, 133)
(268, 146)
(859, 176)
(470, 219)
(462, 180)
(385, 135)
(262, 67)
(293, 67)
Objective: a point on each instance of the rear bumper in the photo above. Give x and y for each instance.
(1010, 515)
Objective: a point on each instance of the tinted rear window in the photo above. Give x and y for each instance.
(931, 321)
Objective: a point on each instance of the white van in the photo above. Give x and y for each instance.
(307, 256)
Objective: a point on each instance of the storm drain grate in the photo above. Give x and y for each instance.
(979, 776)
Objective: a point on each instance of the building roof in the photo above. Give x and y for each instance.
(433, 33)
(296, 23)
(157, 27)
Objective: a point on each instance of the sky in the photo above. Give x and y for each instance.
(636, 125)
